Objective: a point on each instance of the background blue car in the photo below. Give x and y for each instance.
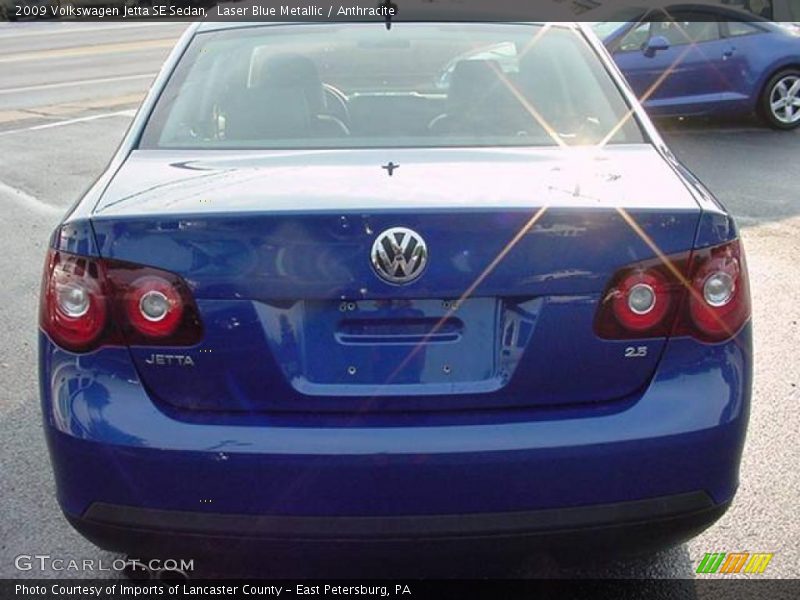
(698, 59)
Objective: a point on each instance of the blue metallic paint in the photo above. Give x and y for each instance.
(111, 442)
(299, 366)
(288, 269)
(325, 255)
(271, 261)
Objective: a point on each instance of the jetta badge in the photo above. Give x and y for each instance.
(399, 255)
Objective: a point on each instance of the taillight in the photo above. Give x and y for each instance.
(153, 306)
(74, 303)
(642, 300)
(719, 302)
(90, 302)
(704, 294)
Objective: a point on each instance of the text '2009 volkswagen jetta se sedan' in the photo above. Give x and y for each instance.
(442, 282)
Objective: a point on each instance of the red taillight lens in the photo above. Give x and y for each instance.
(74, 305)
(89, 302)
(153, 306)
(641, 300)
(706, 296)
(719, 299)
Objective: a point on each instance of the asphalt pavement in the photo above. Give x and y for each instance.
(67, 94)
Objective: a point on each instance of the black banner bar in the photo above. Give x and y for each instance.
(557, 589)
(394, 11)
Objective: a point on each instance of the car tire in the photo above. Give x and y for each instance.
(781, 88)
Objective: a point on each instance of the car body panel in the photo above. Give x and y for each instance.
(276, 243)
(661, 441)
(161, 182)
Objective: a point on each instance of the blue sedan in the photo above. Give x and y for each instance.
(319, 301)
(696, 59)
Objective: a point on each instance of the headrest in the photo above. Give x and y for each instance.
(271, 113)
(473, 80)
(294, 71)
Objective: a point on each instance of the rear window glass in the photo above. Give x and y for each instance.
(415, 85)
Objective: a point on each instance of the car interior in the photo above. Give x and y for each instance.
(287, 98)
(277, 97)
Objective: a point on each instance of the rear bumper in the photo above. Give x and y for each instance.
(660, 467)
(634, 525)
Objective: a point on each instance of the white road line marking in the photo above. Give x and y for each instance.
(51, 29)
(51, 86)
(25, 200)
(106, 49)
(119, 113)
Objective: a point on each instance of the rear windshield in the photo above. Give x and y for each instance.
(415, 85)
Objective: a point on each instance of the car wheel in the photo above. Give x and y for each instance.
(780, 100)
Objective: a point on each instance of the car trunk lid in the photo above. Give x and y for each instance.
(276, 248)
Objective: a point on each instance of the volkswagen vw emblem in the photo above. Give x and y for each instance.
(399, 255)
